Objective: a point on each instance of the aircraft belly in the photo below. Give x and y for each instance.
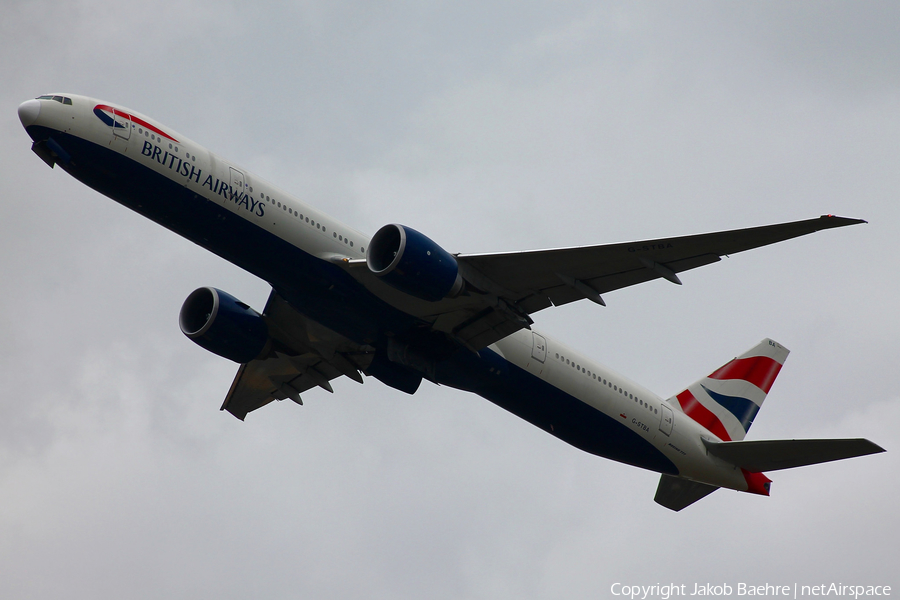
(531, 398)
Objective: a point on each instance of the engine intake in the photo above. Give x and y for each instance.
(224, 325)
(413, 263)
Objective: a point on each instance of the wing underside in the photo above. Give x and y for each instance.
(303, 356)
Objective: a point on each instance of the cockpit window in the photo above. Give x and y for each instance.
(60, 99)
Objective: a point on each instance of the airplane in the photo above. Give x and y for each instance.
(398, 307)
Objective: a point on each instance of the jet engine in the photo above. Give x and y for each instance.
(412, 263)
(224, 325)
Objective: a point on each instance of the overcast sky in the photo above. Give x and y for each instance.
(489, 126)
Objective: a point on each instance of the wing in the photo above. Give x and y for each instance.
(550, 273)
(303, 355)
(514, 285)
(501, 292)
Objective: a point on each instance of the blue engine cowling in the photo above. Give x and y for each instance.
(412, 263)
(224, 325)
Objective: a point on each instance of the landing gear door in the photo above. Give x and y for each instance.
(666, 419)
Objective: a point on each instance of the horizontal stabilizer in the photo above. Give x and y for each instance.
(757, 456)
(676, 493)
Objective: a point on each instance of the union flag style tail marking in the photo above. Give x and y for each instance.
(726, 402)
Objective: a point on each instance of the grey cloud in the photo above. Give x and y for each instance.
(494, 126)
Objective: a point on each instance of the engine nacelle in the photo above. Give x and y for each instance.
(224, 325)
(412, 263)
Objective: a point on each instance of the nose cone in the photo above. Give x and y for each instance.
(29, 111)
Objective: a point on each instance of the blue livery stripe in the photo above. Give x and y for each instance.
(743, 409)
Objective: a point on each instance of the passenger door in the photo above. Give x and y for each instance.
(237, 182)
(666, 419)
(539, 349)
(121, 125)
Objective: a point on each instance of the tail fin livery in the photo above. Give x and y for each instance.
(725, 404)
(726, 401)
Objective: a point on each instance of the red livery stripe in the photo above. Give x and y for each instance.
(692, 408)
(761, 371)
(137, 120)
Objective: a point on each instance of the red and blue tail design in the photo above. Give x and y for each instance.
(727, 401)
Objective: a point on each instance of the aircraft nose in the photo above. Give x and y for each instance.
(29, 111)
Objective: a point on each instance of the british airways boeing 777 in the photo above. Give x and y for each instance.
(398, 307)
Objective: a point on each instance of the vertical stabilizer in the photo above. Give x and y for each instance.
(726, 401)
